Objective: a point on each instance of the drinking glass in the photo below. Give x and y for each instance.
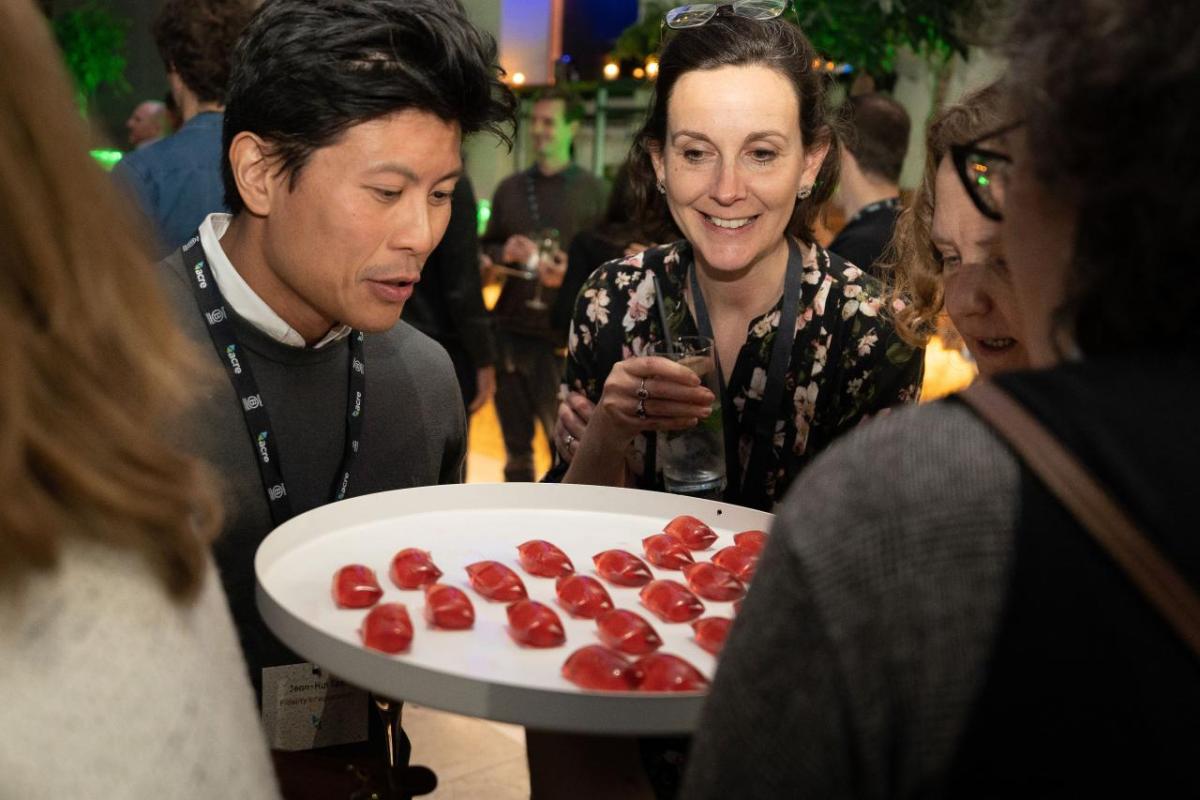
(693, 460)
(547, 244)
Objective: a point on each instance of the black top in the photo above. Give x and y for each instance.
(447, 305)
(569, 201)
(867, 234)
(1089, 692)
(588, 251)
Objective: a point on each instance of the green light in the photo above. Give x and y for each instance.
(107, 158)
(483, 213)
(982, 180)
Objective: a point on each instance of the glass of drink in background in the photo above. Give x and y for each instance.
(547, 244)
(693, 460)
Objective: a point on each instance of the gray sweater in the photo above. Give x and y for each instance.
(414, 434)
(854, 662)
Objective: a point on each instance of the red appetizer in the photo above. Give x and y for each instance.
(544, 559)
(714, 583)
(496, 582)
(711, 633)
(694, 534)
(413, 568)
(663, 672)
(741, 561)
(535, 624)
(355, 586)
(754, 541)
(666, 551)
(582, 596)
(622, 568)
(628, 632)
(598, 668)
(671, 601)
(387, 628)
(448, 607)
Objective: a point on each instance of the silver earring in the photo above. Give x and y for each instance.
(661, 189)
(804, 193)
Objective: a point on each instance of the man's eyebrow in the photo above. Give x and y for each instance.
(406, 172)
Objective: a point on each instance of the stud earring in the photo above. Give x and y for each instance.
(804, 193)
(661, 189)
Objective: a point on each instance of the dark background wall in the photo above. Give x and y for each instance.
(143, 70)
(590, 27)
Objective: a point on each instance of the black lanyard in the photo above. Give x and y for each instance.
(751, 490)
(258, 423)
(535, 210)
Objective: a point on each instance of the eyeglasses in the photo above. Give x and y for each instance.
(696, 14)
(984, 172)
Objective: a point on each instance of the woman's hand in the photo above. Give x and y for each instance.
(573, 415)
(647, 393)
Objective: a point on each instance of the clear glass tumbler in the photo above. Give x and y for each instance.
(693, 460)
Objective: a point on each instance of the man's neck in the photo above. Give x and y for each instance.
(552, 165)
(244, 246)
(190, 106)
(861, 191)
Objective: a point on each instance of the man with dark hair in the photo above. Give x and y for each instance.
(869, 192)
(343, 127)
(551, 201)
(177, 181)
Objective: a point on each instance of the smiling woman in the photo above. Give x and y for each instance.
(737, 156)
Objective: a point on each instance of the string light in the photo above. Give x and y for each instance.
(611, 71)
(652, 67)
(518, 78)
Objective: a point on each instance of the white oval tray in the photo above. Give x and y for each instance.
(483, 672)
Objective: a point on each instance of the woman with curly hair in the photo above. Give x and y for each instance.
(964, 630)
(121, 671)
(947, 256)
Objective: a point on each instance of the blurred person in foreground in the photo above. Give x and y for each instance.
(121, 671)
(176, 182)
(957, 632)
(948, 257)
(868, 192)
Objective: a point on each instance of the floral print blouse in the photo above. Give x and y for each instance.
(847, 362)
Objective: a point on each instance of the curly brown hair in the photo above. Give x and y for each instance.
(94, 368)
(735, 41)
(195, 39)
(912, 262)
(1110, 93)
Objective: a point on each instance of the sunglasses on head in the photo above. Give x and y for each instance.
(694, 15)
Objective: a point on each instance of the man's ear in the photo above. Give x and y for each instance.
(249, 158)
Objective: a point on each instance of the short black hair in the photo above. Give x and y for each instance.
(195, 39)
(876, 134)
(305, 71)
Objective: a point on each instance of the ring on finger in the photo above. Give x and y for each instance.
(643, 394)
(641, 408)
(568, 440)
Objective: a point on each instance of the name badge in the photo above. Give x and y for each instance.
(304, 707)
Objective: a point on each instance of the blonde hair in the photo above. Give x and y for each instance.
(93, 366)
(911, 261)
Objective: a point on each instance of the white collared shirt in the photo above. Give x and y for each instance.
(244, 300)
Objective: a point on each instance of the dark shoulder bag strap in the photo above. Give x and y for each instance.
(1093, 507)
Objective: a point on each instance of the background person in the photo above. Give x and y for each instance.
(868, 192)
(957, 632)
(147, 124)
(121, 671)
(554, 193)
(177, 182)
(447, 304)
(742, 174)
